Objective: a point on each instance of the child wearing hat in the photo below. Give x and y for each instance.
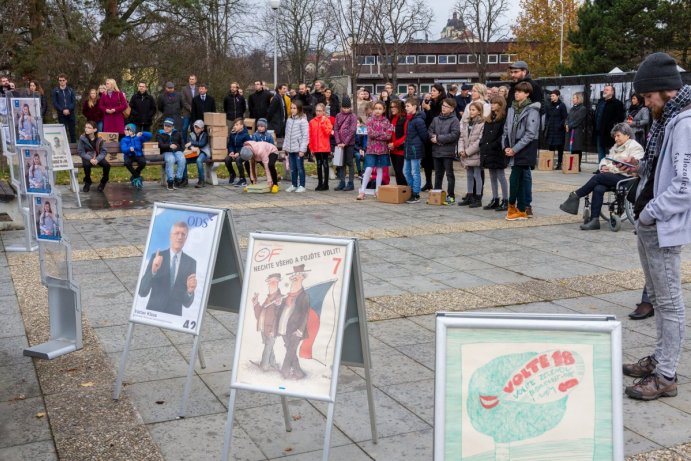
(261, 134)
(131, 146)
(344, 133)
(170, 144)
(199, 139)
(267, 154)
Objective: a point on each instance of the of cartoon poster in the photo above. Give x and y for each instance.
(535, 394)
(56, 136)
(175, 275)
(26, 117)
(35, 170)
(47, 212)
(291, 316)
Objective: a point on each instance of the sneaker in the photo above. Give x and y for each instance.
(291, 189)
(231, 180)
(241, 182)
(529, 211)
(652, 387)
(170, 185)
(640, 369)
(183, 182)
(274, 189)
(199, 184)
(138, 182)
(87, 187)
(514, 214)
(415, 198)
(176, 183)
(450, 200)
(341, 186)
(350, 186)
(300, 189)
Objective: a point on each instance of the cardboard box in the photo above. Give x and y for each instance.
(150, 145)
(570, 164)
(436, 197)
(108, 137)
(151, 152)
(218, 142)
(215, 118)
(218, 131)
(545, 160)
(393, 194)
(219, 155)
(250, 124)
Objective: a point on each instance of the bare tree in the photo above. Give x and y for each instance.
(483, 19)
(351, 29)
(392, 24)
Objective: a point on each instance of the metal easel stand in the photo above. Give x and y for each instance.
(74, 185)
(30, 243)
(64, 310)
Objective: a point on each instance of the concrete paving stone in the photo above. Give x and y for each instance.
(106, 315)
(631, 339)
(423, 353)
(350, 452)
(123, 297)
(18, 382)
(386, 270)
(218, 354)
(266, 428)
(636, 443)
(464, 263)
(6, 288)
(540, 308)
(412, 446)
(37, 451)
(427, 321)
(625, 298)
(373, 286)
(417, 283)
(658, 422)
(11, 325)
(592, 305)
(9, 305)
(352, 416)
(219, 384)
(392, 367)
(20, 423)
(113, 338)
(12, 350)
(416, 396)
(399, 332)
(499, 275)
(158, 401)
(151, 364)
(211, 329)
(682, 401)
(229, 320)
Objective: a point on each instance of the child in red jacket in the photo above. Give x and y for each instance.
(320, 129)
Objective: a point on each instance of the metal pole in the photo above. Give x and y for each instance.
(561, 41)
(276, 48)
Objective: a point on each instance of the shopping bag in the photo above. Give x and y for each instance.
(338, 156)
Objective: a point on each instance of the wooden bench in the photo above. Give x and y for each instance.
(116, 158)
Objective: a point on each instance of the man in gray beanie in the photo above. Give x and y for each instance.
(663, 220)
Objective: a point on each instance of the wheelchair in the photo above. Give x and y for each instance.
(615, 201)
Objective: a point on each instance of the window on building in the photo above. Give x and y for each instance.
(492, 59)
(379, 88)
(505, 58)
(380, 59)
(369, 88)
(366, 60)
(425, 88)
(463, 59)
(426, 59)
(408, 59)
(472, 59)
(402, 89)
(447, 59)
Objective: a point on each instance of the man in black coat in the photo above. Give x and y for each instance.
(170, 277)
(278, 112)
(609, 112)
(202, 103)
(259, 101)
(520, 73)
(555, 121)
(143, 108)
(234, 104)
(170, 105)
(292, 323)
(307, 100)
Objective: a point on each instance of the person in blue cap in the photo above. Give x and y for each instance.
(170, 144)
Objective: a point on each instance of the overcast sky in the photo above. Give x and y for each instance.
(444, 8)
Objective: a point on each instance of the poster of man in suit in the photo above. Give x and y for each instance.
(174, 272)
(290, 315)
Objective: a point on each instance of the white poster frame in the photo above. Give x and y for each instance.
(38, 201)
(57, 130)
(541, 324)
(15, 109)
(24, 155)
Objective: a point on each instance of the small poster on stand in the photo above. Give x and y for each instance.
(47, 212)
(56, 136)
(35, 170)
(26, 117)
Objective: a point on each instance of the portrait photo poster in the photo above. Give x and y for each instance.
(47, 212)
(26, 119)
(175, 274)
(36, 171)
(56, 136)
(535, 394)
(292, 311)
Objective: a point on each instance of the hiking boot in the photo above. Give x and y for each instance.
(640, 369)
(349, 187)
(593, 224)
(200, 184)
(291, 189)
(652, 387)
(571, 204)
(492, 205)
(514, 214)
(319, 187)
(475, 201)
(503, 206)
(465, 201)
(415, 198)
(529, 211)
(643, 311)
(87, 186)
(101, 187)
(183, 182)
(341, 186)
(176, 183)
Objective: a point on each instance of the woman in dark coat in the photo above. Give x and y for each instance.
(432, 108)
(575, 127)
(492, 155)
(555, 118)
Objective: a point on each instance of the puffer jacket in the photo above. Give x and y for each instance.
(469, 142)
(344, 128)
(378, 135)
(447, 130)
(320, 134)
(87, 152)
(134, 141)
(201, 142)
(165, 140)
(415, 136)
(236, 140)
(297, 134)
(525, 137)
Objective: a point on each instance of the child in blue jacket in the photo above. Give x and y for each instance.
(261, 134)
(237, 137)
(131, 146)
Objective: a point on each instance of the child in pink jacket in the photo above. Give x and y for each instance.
(267, 154)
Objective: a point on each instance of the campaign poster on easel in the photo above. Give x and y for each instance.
(47, 212)
(175, 274)
(56, 136)
(26, 116)
(35, 165)
(291, 316)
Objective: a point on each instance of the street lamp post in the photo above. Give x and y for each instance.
(561, 41)
(275, 5)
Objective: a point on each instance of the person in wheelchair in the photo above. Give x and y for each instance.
(609, 174)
